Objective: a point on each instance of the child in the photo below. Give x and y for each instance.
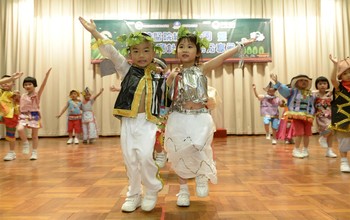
(300, 102)
(88, 117)
(138, 109)
(340, 121)
(190, 127)
(30, 115)
(9, 111)
(269, 110)
(323, 114)
(74, 107)
(160, 154)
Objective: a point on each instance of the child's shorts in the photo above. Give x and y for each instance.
(302, 127)
(274, 122)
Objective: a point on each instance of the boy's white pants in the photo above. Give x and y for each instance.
(137, 142)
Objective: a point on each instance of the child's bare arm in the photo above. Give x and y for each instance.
(91, 27)
(219, 60)
(98, 94)
(334, 79)
(12, 78)
(62, 111)
(43, 84)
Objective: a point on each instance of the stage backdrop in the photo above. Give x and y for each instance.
(222, 34)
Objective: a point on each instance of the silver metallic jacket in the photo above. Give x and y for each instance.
(192, 87)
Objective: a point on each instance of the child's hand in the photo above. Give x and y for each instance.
(16, 75)
(254, 87)
(251, 40)
(273, 77)
(48, 72)
(333, 59)
(114, 89)
(58, 116)
(102, 89)
(88, 26)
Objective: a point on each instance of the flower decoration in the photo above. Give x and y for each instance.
(184, 32)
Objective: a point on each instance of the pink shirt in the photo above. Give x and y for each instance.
(30, 103)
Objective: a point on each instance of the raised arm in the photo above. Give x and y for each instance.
(12, 78)
(91, 27)
(98, 94)
(43, 84)
(219, 60)
(334, 79)
(255, 92)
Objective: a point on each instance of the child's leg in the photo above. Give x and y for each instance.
(35, 138)
(329, 151)
(267, 121)
(183, 197)
(21, 133)
(10, 137)
(344, 147)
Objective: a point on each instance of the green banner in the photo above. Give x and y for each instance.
(222, 34)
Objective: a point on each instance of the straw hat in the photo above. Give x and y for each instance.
(343, 66)
(299, 77)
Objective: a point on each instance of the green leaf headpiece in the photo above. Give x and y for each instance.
(184, 32)
(135, 39)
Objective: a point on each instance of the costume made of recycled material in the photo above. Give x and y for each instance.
(30, 116)
(88, 120)
(138, 130)
(74, 116)
(9, 112)
(269, 110)
(340, 121)
(189, 133)
(323, 114)
(300, 103)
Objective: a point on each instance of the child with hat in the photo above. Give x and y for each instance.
(301, 110)
(269, 103)
(340, 121)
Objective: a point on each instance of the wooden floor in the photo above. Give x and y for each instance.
(257, 180)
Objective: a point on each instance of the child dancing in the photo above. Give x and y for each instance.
(269, 104)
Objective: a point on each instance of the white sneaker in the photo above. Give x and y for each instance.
(330, 153)
(25, 149)
(274, 141)
(305, 152)
(161, 159)
(202, 188)
(268, 136)
(344, 167)
(131, 203)
(10, 156)
(323, 142)
(76, 140)
(183, 198)
(297, 153)
(70, 141)
(149, 201)
(34, 155)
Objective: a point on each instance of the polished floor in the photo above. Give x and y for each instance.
(256, 180)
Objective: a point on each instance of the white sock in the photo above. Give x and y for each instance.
(184, 186)
(344, 159)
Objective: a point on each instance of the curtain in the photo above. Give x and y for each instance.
(39, 34)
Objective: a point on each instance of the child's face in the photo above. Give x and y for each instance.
(87, 96)
(187, 51)
(29, 87)
(271, 91)
(7, 86)
(74, 95)
(345, 76)
(322, 86)
(142, 54)
(302, 84)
